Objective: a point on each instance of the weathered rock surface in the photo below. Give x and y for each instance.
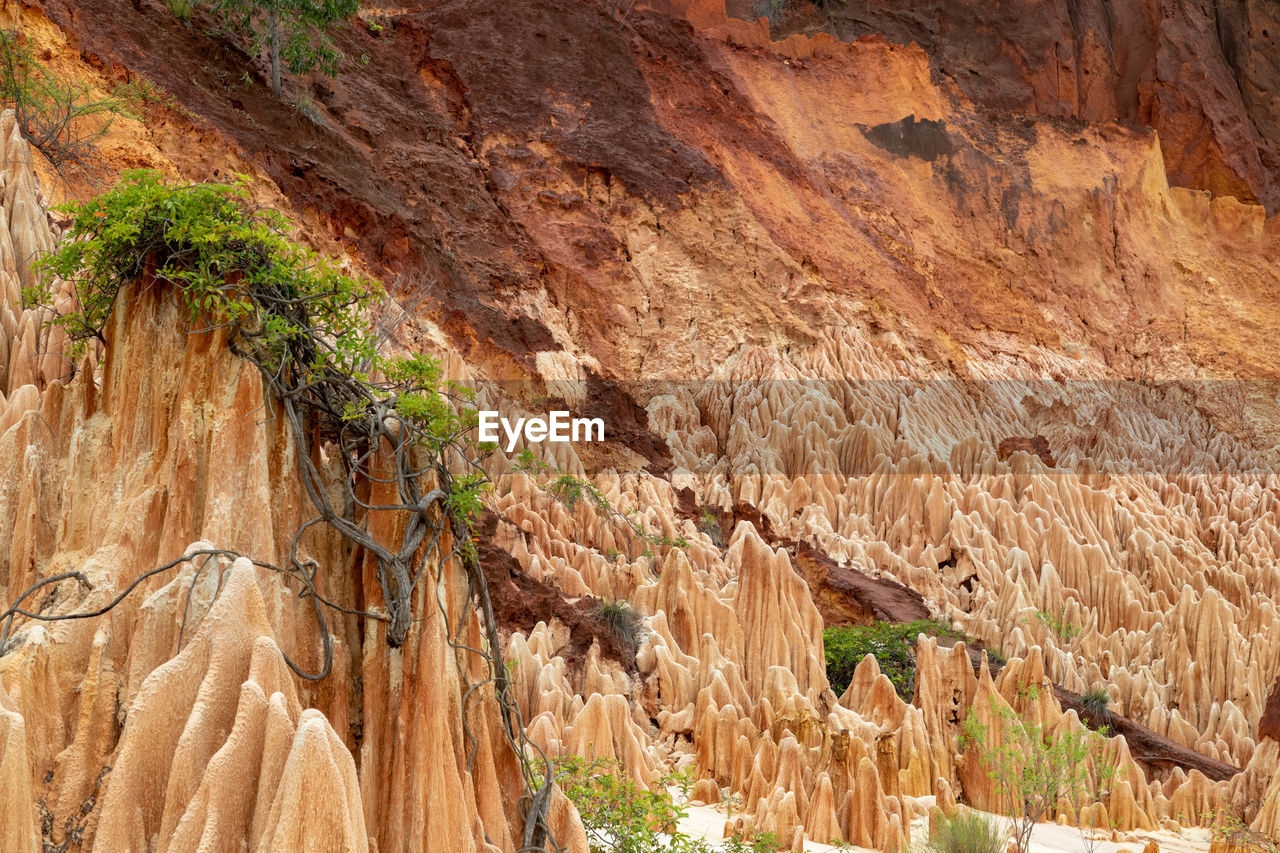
(850, 279)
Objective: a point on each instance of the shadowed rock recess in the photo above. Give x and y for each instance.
(957, 310)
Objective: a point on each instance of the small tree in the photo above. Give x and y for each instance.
(1032, 770)
(292, 32)
(1230, 829)
(61, 120)
(1097, 789)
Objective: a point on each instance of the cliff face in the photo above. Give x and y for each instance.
(847, 272)
(1199, 74)
(173, 721)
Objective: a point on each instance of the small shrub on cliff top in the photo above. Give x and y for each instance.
(225, 255)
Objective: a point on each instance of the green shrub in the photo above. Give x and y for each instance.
(295, 34)
(764, 842)
(230, 259)
(64, 122)
(1059, 624)
(892, 644)
(618, 815)
(966, 832)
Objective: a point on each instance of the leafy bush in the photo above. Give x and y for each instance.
(294, 33)
(966, 832)
(892, 644)
(64, 122)
(619, 815)
(230, 259)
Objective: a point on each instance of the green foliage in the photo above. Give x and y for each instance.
(1059, 625)
(231, 262)
(62, 121)
(294, 33)
(966, 832)
(1097, 789)
(763, 842)
(569, 489)
(301, 321)
(623, 621)
(892, 644)
(181, 9)
(1031, 770)
(621, 816)
(1229, 828)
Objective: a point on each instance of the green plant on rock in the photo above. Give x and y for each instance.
(63, 121)
(892, 644)
(1065, 629)
(1097, 788)
(620, 816)
(709, 525)
(1097, 701)
(761, 842)
(1230, 828)
(573, 491)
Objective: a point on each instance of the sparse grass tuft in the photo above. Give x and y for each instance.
(181, 9)
(622, 619)
(307, 107)
(1097, 701)
(966, 832)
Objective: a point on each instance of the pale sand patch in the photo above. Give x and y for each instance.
(707, 822)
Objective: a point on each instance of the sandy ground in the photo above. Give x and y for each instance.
(708, 822)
